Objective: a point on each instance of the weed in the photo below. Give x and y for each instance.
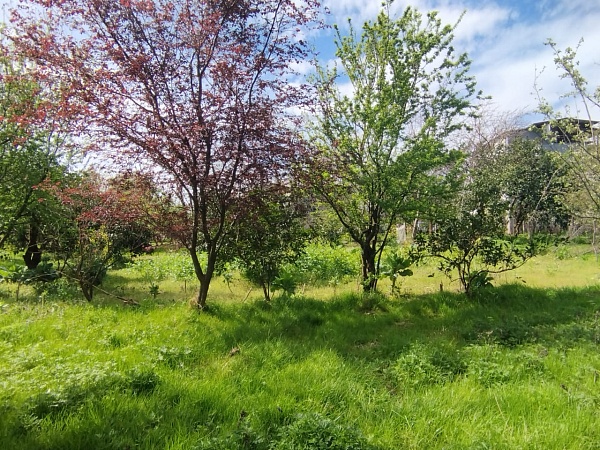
(422, 365)
(142, 380)
(313, 431)
(324, 264)
(563, 252)
(175, 357)
(243, 437)
(372, 302)
(114, 341)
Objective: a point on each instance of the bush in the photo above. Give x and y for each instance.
(325, 264)
(59, 290)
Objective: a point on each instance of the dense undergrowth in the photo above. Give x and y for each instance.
(516, 367)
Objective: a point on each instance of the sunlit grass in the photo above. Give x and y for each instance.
(517, 366)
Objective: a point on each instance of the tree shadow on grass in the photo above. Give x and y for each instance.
(376, 327)
(372, 332)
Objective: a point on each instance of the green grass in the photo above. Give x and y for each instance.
(516, 367)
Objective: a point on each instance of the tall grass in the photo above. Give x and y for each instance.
(516, 367)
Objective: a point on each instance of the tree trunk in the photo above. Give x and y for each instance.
(87, 289)
(204, 277)
(369, 269)
(266, 292)
(203, 292)
(33, 254)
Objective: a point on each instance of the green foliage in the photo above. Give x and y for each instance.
(97, 219)
(244, 437)
(142, 381)
(525, 174)
(421, 366)
(321, 264)
(152, 273)
(61, 289)
(270, 236)
(470, 238)
(286, 281)
(173, 264)
(371, 303)
(382, 153)
(397, 264)
(41, 277)
(532, 180)
(574, 132)
(311, 431)
(463, 249)
(43, 273)
(29, 155)
(481, 279)
(315, 432)
(77, 386)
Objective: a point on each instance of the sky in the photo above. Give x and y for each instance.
(505, 41)
(503, 38)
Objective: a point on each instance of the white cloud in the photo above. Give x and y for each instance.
(505, 63)
(302, 67)
(505, 39)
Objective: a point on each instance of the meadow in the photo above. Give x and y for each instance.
(515, 367)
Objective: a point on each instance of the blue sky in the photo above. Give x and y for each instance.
(505, 40)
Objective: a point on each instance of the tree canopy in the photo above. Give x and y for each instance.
(576, 127)
(31, 151)
(197, 91)
(382, 149)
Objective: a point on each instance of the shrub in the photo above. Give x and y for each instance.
(325, 264)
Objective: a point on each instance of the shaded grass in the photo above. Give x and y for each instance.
(516, 367)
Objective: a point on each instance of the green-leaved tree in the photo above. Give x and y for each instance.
(29, 154)
(381, 152)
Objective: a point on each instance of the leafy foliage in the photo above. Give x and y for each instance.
(30, 153)
(533, 183)
(198, 92)
(321, 263)
(90, 237)
(315, 432)
(381, 151)
(269, 237)
(574, 131)
(471, 240)
(397, 264)
(421, 366)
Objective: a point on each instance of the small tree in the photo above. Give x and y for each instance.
(381, 151)
(533, 184)
(97, 214)
(529, 176)
(29, 153)
(470, 241)
(397, 264)
(271, 235)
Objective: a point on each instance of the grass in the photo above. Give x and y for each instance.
(516, 367)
